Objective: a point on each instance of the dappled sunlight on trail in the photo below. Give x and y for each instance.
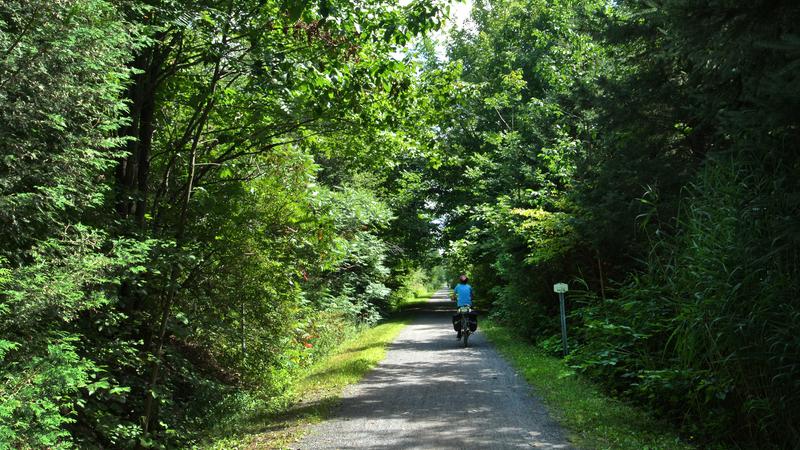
(430, 392)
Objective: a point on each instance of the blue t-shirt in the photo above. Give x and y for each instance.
(463, 294)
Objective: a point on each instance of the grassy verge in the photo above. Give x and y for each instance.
(320, 389)
(593, 420)
(416, 299)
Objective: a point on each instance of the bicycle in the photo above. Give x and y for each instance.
(467, 327)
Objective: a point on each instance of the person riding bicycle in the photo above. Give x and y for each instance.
(464, 294)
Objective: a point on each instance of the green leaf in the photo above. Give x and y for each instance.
(294, 8)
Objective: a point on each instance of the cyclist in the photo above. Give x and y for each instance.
(464, 294)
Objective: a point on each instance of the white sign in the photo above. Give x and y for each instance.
(560, 288)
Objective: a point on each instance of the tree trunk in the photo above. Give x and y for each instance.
(133, 170)
(149, 406)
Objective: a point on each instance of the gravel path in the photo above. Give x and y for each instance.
(430, 392)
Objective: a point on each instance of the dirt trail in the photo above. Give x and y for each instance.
(430, 392)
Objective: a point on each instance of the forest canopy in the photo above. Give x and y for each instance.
(200, 199)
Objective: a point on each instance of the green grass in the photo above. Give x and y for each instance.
(320, 389)
(415, 299)
(350, 362)
(593, 420)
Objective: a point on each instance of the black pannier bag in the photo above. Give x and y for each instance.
(472, 319)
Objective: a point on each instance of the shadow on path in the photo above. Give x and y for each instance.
(429, 392)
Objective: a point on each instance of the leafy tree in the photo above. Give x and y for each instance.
(61, 75)
(164, 230)
(640, 148)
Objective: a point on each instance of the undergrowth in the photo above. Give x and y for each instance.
(275, 423)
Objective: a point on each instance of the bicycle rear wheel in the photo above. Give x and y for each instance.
(465, 329)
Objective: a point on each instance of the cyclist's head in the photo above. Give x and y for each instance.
(463, 278)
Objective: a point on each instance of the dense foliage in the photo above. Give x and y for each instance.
(195, 204)
(645, 151)
(199, 199)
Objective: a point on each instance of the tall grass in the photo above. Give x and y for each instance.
(710, 334)
(739, 320)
